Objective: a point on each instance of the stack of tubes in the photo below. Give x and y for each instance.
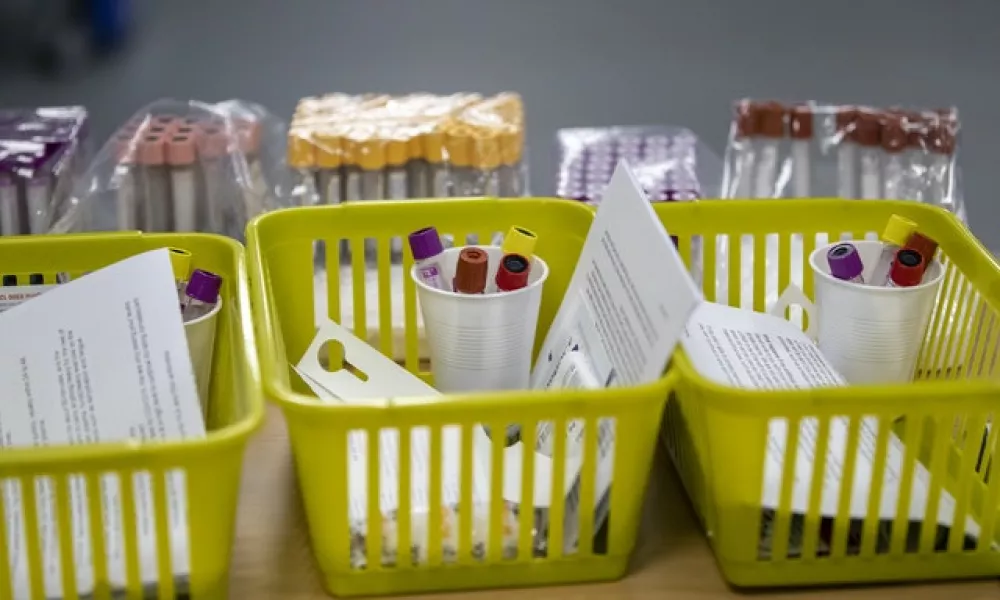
(374, 147)
(40, 152)
(173, 173)
(880, 154)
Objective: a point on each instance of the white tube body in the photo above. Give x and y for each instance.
(801, 168)
(745, 159)
(938, 177)
(491, 182)
(395, 183)
(881, 273)
(352, 185)
(871, 185)
(429, 271)
(913, 163)
(183, 187)
(214, 194)
(439, 181)
(767, 169)
(125, 197)
(895, 177)
(37, 194)
(10, 213)
(254, 195)
(330, 186)
(157, 205)
(845, 170)
(417, 179)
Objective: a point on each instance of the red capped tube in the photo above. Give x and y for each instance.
(512, 273)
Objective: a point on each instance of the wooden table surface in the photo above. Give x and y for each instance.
(272, 558)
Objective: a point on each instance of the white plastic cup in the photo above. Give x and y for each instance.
(201, 346)
(871, 334)
(481, 342)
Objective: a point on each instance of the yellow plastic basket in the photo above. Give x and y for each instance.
(212, 465)
(281, 251)
(717, 434)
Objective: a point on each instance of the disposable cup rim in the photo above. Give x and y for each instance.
(819, 272)
(535, 259)
(207, 316)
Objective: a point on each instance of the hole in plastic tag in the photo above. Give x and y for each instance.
(794, 296)
(331, 358)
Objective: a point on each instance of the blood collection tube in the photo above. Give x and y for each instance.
(180, 264)
(845, 263)
(907, 269)
(486, 159)
(914, 161)
(250, 134)
(846, 120)
(894, 141)
(746, 129)
(38, 194)
(512, 273)
(519, 240)
(372, 161)
(10, 213)
(897, 231)
(301, 156)
(438, 171)
(427, 250)
(511, 183)
(181, 156)
(801, 130)
(329, 157)
(212, 154)
(200, 295)
(771, 123)
(471, 270)
(868, 134)
(352, 170)
(418, 183)
(125, 181)
(463, 176)
(396, 156)
(155, 184)
(922, 244)
(941, 143)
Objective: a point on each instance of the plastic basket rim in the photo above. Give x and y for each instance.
(170, 450)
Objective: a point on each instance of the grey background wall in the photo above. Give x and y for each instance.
(576, 62)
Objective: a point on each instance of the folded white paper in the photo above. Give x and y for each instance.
(103, 358)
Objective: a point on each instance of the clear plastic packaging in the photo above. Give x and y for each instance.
(823, 150)
(812, 149)
(42, 150)
(376, 146)
(184, 166)
(670, 162)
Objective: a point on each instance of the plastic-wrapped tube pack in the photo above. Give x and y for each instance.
(820, 150)
(374, 147)
(811, 149)
(183, 166)
(41, 151)
(670, 162)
